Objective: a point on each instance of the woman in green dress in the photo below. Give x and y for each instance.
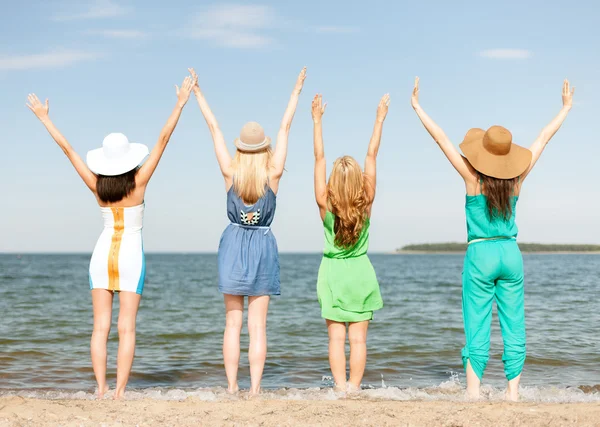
(347, 286)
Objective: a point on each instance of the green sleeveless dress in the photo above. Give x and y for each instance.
(347, 286)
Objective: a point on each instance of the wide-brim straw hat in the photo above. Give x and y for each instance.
(252, 138)
(493, 153)
(117, 156)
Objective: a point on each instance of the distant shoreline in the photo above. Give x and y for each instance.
(411, 252)
(526, 248)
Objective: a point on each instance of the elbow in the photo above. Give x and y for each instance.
(285, 128)
(213, 127)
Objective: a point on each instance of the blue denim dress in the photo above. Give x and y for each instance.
(248, 257)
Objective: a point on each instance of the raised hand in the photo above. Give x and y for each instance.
(382, 108)
(567, 94)
(40, 110)
(414, 99)
(300, 81)
(318, 108)
(183, 94)
(195, 78)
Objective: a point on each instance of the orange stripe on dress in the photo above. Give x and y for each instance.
(115, 247)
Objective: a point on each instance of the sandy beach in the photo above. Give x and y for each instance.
(19, 411)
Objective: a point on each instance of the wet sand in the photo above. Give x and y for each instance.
(18, 411)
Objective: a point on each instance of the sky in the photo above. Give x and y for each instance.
(111, 66)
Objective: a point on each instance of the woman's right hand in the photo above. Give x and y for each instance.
(194, 75)
(318, 108)
(40, 110)
(414, 99)
(183, 94)
(567, 94)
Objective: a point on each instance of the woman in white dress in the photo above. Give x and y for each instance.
(118, 179)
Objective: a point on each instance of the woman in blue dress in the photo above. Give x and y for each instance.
(248, 258)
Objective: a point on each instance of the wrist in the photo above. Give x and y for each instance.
(317, 121)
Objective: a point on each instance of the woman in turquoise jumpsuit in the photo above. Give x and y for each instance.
(493, 169)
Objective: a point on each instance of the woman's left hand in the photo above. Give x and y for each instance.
(183, 94)
(567, 94)
(40, 110)
(382, 108)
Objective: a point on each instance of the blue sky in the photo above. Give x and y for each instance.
(111, 65)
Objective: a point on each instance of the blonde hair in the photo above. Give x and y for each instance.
(251, 174)
(347, 200)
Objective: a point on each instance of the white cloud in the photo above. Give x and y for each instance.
(505, 54)
(332, 29)
(235, 25)
(120, 34)
(53, 59)
(96, 10)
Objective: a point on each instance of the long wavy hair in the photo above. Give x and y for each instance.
(251, 174)
(499, 193)
(347, 200)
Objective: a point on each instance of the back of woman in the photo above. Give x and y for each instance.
(493, 168)
(248, 259)
(347, 286)
(117, 176)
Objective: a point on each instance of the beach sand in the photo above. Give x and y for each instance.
(19, 411)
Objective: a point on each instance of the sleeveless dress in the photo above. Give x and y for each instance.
(493, 271)
(118, 262)
(248, 258)
(347, 286)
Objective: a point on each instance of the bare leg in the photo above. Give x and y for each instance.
(512, 392)
(234, 311)
(473, 382)
(129, 303)
(257, 328)
(102, 306)
(357, 333)
(337, 353)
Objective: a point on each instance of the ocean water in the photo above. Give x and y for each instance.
(414, 342)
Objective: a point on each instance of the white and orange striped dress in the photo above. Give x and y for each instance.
(118, 262)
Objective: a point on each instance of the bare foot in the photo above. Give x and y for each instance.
(100, 394)
(511, 395)
(352, 388)
(233, 390)
(473, 394)
(119, 394)
(254, 392)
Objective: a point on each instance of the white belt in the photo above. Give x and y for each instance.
(487, 239)
(253, 227)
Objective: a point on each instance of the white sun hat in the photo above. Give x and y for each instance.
(117, 156)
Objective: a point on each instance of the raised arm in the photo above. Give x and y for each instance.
(459, 162)
(223, 156)
(318, 109)
(548, 132)
(284, 129)
(371, 160)
(148, 168)
(41, 112)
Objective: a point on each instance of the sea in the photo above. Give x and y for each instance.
(414, 342)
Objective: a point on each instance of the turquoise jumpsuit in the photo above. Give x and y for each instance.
(493, 270)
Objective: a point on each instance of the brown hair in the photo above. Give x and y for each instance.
(347, 200)
(499, 193)
(112, 189)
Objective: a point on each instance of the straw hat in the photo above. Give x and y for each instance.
(116, 156)
(493, 153)
(252, 138)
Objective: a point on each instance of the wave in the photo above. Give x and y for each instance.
(451, 390)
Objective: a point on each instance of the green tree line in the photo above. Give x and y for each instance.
(525, 247)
